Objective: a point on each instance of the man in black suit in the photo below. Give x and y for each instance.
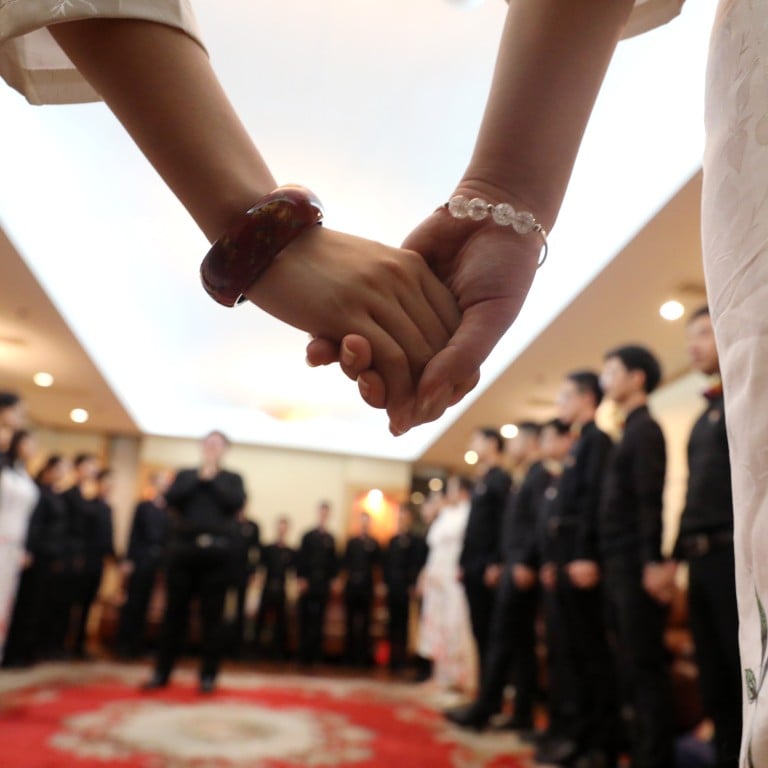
(362, 557)
(404, 558)
(478, 564)
(206, 503)
(635, 576)
(146, 551)
(85, 563)
(277, 559)
(317, 565)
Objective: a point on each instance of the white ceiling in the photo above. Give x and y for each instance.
(374, 106)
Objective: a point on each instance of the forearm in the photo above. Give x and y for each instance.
(160, 85)
(552, 60)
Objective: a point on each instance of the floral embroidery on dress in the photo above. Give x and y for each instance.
(64, 6)
(754, 684)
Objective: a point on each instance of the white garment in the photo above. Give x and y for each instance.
(445, 634)
(32, 62)
(18, 497)
(735, 241)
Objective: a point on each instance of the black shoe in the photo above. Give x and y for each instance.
(557, 751)
(594, 758)
(207, 684)
(467, 717)
(512, 723)
(155, 682)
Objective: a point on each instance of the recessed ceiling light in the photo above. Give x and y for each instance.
(509, 431)
(79, 415)
(417, 497)
(672, 310)
(43, 379)
(435, 484)
(471, 457)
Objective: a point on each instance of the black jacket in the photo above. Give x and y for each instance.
(149, 535)
(481, 540)
(524, 509)
(206, 506)
(361, 557)
(317, 561)
(709, 501)
(403, 560)
(277, 560)
(631, 507)
(48, 535)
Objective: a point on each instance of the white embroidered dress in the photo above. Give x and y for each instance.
(32, 62)
(18, 497)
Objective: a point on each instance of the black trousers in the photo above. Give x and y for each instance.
(398, 606)
(21, 641)
(714, 624)
(272, 617)
(637, 623)
(592, 703)
(312, 605)
(358, 640)
(511, 648)
(480, 600)
(202, 572)
(88, 581)
(133, 616)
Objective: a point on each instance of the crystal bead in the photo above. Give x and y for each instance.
(458, 207)
(524, 223)
(503, 214)
(478, 208)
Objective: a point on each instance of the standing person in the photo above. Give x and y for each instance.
(403, 560)
(512, 634)
(206, 502)
(18, 498)
(445, 632)
(37, 616)
(634, 571)
(147, 547)
(478, 567)
(245, 561)
(587, 711)
(49, 545)
(98, 545)
(317, 565)
(277, 560)
(362, 559)
(705, 541)
(77, 585)
(13, 417)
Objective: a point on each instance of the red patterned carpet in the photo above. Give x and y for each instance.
(93, 716)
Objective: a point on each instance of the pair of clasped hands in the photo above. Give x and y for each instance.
(411, 325)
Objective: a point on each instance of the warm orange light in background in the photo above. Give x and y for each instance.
(382, 507)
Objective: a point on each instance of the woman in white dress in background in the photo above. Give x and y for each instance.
(18, 497)
(445, 634)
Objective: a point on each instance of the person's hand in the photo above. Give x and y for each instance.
(489, 269)
(302, 585)
(584, 574)
(659, 580)
(548, 576)
(460, 575)
(334, 285)
(523, 577)
(207, 471)
(492, 576)
(27, 560)
(126, 568)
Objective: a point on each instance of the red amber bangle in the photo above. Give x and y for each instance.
(245, 251)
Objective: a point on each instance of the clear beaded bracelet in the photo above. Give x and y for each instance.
(503, 214)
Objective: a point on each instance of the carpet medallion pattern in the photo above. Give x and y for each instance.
(62, 716)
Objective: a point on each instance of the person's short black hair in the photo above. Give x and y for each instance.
(561, 427)
(491, 433)
(637, 358)
(14, 447)
(530, 428)
(465, 484)
(102, 473)
(697, 313)
(8, 400)
(220, 434)
(51, 462)
(81, 458)
(587, 382)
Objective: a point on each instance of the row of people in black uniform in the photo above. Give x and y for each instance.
(205, 540)
(69, 538)
(583, 533)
